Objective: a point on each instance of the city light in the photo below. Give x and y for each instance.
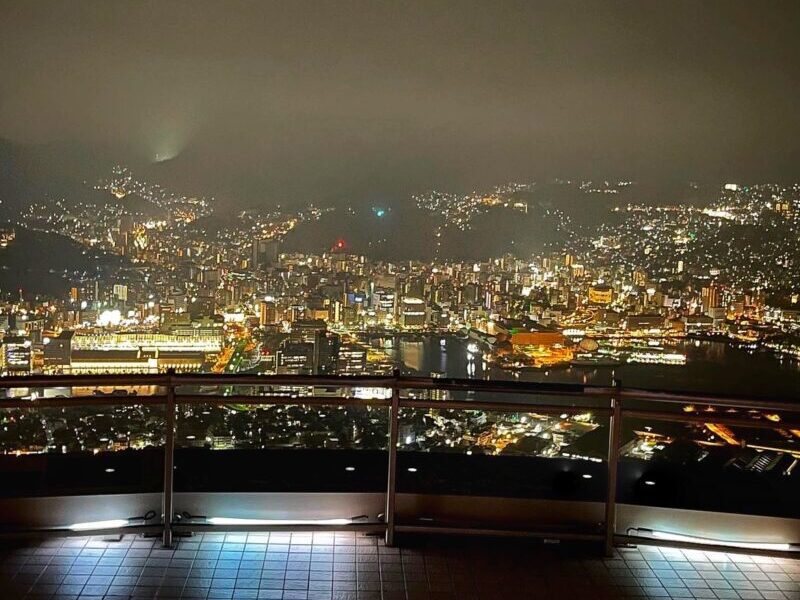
(109, 318)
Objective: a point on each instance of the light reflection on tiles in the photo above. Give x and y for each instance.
(349, 566)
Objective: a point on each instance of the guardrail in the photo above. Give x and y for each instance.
(602, 401)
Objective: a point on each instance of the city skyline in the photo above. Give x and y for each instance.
(159, 263)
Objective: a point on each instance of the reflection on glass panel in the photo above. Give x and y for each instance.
(123, 392)
(280, 448)
(579, 436)
(287, 391)
(246, 426)
(81, 450)
(81, 429)
(712, 464)
(22, 431)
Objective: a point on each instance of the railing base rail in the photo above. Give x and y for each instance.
(199, 527)
(66, 532)
(548, 534)
(637, 540)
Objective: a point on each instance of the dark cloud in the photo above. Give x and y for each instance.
(325, 99)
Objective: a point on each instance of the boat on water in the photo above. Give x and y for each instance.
(595, 360)
(657, 358)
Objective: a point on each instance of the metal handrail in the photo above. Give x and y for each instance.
(606, 401)
(401, 382)
(281, 400)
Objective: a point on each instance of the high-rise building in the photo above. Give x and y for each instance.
(415, 287)
(413, 313)
(710, 298)
(121, 292)
(312, 332)
(264, 254)
(295, 358)
(268, 314)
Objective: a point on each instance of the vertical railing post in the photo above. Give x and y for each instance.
(614, 435)
(169, 459)
(391, 479)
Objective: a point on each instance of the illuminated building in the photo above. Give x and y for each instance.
(134, 361)
(296, 358)
(698, 323)
(601, 295)
(120, 292)
(544, 337)
(6, 237)
(383, 301)
(413, 313)
(193, 342)
(710, 297)
(268, 314)
(352, 360)
(306, 330)
(17, 355)
(311, 333)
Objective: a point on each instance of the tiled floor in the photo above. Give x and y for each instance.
(346, 566)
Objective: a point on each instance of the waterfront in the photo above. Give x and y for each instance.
(710, 367)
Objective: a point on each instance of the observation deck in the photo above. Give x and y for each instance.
(393, 467)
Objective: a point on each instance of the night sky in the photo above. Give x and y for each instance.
(322, 100)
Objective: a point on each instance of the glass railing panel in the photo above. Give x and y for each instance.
(521, 454)
(77, 450)
(124, 393)
(364, 392)
(691, 455)
(240, 447)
